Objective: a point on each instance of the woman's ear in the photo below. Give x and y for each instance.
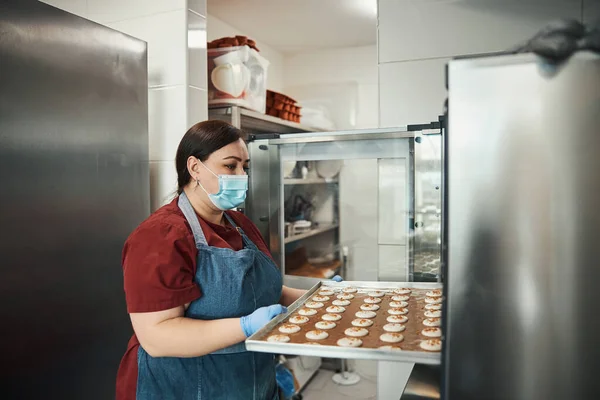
(193, 165)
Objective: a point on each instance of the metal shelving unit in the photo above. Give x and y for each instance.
(313, 232)
(255, 122)
(311, 181)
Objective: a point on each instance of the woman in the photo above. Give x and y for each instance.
(198, 281)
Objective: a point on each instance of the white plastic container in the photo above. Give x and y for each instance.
(237, 76)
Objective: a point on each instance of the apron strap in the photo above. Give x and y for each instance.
(232, 222)
(191, 217)
(245, 239)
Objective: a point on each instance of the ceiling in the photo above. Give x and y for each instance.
(294, 26)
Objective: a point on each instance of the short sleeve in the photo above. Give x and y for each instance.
(159, 263)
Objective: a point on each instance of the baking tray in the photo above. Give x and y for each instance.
(255, 342)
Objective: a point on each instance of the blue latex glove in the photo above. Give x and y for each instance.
(259, 318)
(337, 278)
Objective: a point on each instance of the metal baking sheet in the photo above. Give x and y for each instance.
(253, 343)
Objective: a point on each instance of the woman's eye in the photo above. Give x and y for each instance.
(230, 167)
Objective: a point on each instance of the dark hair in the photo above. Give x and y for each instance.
(200, 141)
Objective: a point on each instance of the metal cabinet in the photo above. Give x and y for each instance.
(369, 211)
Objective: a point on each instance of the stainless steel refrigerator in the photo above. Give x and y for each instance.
(73, 184)
(523, 229)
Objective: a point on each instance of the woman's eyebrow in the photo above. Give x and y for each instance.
(235, 158)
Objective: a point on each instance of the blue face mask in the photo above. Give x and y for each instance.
(232, 190)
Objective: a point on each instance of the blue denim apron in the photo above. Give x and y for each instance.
(233, 284)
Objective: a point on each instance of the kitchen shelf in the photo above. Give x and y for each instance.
(435, 212)
(319, 271)
(313, 232)
(311, 181)
(255, 122)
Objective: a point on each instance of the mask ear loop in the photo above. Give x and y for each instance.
(209, 170)
(198, 184)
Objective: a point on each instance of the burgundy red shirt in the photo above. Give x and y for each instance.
(159, 266)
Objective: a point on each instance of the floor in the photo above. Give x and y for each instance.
(323, 388)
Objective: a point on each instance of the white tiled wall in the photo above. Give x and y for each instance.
(197, 50)
(198, 6)
(392, 263)
(328, 66)
(358, 216)
(77, 7)
(175, 31)
(164, 26)
(411, 92)
(393, 185)
(163, 182)
(167, 122)
(392, 235)
(196, 90)
(118, 10)
(197, 106)
(309, 72)
(369, 219)
(196, 95)
(165, 34)
(368, 106)
(416, 38)
(417, 29)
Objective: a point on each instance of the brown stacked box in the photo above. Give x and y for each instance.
(418, 331)
(282, 106)
(233, 41)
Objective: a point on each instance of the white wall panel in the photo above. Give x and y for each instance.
(163, 183)
(77, 7)
(392, 263)
(104, 11)
(316, 78)
(368, 106)
(167, 112)
(358, 217)
(196, 42)
(198, 6)
(418, 29)
(411, 92)
(345, 64)
(197, 106)
(166, 35)
(392, 199)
